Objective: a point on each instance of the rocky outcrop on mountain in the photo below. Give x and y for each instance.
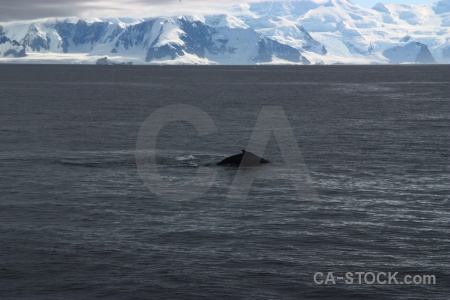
(411, 53)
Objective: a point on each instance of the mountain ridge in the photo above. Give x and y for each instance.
(289, 32)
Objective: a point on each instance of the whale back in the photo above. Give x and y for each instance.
(246, 158)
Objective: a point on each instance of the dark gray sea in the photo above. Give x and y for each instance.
(78, 222)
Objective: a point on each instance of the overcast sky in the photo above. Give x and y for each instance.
(11, 10)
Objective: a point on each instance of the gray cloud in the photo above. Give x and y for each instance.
(14, 10)
(29, 9)
(36, 9)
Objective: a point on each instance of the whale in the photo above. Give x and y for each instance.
(250, 160)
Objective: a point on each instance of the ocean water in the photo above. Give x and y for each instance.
(78, 222)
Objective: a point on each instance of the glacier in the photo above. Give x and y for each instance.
(268, 32)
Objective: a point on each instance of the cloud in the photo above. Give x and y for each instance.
(36, 9)
(29, 9)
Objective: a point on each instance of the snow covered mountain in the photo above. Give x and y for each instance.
(10, 47)
(353, 34)
(212, 39)
(413, 52)
(294, 32)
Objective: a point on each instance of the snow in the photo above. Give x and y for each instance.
(15, 30)
(171, 34)
(243, 41)
(186, 59)
(225, 21)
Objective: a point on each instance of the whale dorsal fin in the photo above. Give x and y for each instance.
(243, 151)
